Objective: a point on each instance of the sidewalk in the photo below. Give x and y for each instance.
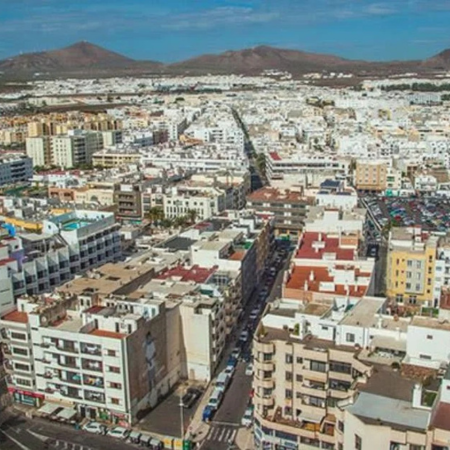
(244, 439)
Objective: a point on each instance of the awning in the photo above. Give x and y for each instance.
(66, 414)
(389, 343)
(309, 417)
(48, 409)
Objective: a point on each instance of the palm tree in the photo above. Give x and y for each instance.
(192, 216)
(155, 214)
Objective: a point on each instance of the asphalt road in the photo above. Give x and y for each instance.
(20, 433)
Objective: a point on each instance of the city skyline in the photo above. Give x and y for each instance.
(171, 31)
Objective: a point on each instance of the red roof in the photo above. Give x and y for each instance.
(194, 273)
(441, 417)
(5, 261)
(310, 247)
(300, 278)
(16, 316)
(275, 156)
(94, 309)
(107, 334)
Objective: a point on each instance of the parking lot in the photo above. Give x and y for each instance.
(431, 213)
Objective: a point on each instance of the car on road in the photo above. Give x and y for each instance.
(249, 370)
(118, 432)
(216, 399)
(247, 418)
(235, 353)
(94, 427)
(230, 370)
(254, 314)
(135, 437)
(223, 381)
(208, 413)
(190, 397)
(232, 362)
(244, 336)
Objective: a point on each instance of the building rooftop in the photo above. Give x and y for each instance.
(269, 194)
(429, 322)
(16, 316)
(441, 415)
(107, 334)
(181, 273)
(363, 313)
(320, 246)
(390, 411)
(320, 279)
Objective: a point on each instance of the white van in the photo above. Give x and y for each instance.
(223, 380)
(215, 399)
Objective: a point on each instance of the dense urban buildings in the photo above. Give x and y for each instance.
(264, 258)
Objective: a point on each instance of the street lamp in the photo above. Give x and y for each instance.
(181, 417)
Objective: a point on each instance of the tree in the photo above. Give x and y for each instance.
(192, 216)
(155, 214)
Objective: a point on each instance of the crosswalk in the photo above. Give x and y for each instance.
(221, 433)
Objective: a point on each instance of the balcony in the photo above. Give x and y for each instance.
(91, 349)
(265, 366)
(94, 397)
(267, 383)
(94, 366)
(264, 400)
(67, 348)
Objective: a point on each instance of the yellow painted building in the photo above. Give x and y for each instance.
(410, 269)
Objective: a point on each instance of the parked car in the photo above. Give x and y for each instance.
(190, 397)
(247, 418)
(223, 381)
(243, 337)
(208, 413)
(232, 361)
(135, 437)
(249, 370)
(230, 370)
(94, 427)
(236, 352)
(118, 432)
(216, 399)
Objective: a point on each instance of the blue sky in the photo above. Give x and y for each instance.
(171, 30)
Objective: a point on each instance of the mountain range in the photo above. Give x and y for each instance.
(84, 58)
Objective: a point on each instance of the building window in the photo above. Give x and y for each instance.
(115, 401)
(409, 263)
(318, 366)
(419, 264)
(111, 352)
(317, 402)
(114, 369)
(299, 360)
(350, 337)
(429, 336)
(299, 378)
(23, 381)
(267, 356)
(358, 442)
(288, 376)
(287, 411)
(18, 336)
(289, 359)
(288, 393)
(20, 351)
(22, 367)
(428, 357)
(340, 367)
(115, 385)
(340, 426)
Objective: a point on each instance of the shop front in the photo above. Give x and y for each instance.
(26, 397)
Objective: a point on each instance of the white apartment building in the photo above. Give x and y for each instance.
(69, 244)
(109, 360)
(15, 168)
(206, 202)
(74, 148)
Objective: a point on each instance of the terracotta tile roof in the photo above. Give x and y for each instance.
(270, 194)
(107, 334)
(314, 245)
(300, 278)
(16, 316)
(275, 156)
(194, 273)
(237, 256)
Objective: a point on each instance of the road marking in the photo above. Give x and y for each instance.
(233, 435)
(222, 435)
(228, 424)
(23, 447)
